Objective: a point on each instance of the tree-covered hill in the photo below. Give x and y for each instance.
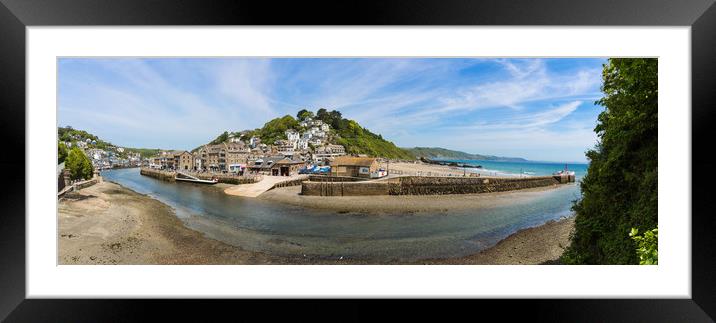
(359, 140)
(355, 138)
(69, 134)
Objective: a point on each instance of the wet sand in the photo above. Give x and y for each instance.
(109, 224)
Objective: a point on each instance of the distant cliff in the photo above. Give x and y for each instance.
(442, 153)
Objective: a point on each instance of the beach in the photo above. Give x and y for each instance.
(423, 169)
(109, 224)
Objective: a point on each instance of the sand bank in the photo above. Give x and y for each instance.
(423, 169)
(404, 203)
(109, 224)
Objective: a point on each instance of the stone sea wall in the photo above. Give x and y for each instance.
(158, 174)
(347, 188)
(324, 178)
(223, 178)
(447, 185)
(420, 185)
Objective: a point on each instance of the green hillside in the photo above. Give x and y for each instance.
(359, 140)
(69, 134)
(442, 153)
(355, 138)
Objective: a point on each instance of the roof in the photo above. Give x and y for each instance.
(353, 161)
(288, 161)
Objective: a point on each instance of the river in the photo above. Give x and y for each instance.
(286, 230)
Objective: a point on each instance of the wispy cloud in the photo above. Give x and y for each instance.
(479, 105)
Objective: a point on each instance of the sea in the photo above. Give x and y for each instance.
(521, 168)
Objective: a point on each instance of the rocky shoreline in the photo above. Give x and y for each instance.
(110, 224)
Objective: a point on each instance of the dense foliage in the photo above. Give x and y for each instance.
(359, 140)
(61, 152)
(79, 164)
(223, 137)
(619, 191)
(276, 129)
(646, 246)
(304, 114)
(442, 153)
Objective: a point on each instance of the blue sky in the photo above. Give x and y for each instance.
(539, 109)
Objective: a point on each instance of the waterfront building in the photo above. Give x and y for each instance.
(354, 166)
(183, 160)
(276, 166)
(237, 154)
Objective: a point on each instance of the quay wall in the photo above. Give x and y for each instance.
(421, 185)
(326, 178)
(223, 178)
(229, 179)
(293, 182)
(158, 174)
(347, 188)
(78, 185)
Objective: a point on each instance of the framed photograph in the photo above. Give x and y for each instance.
(512, 154)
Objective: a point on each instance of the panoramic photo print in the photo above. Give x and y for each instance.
(330, 161)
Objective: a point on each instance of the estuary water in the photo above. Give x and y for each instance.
(287, 230)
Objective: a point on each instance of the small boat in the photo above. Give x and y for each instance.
(194, 179)
(202, 181)
(565, 171)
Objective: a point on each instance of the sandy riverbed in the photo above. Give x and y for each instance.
(404, 203)
(109, 224)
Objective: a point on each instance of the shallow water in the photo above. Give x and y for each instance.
(286, 230)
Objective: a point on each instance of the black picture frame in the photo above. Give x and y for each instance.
(16, 15)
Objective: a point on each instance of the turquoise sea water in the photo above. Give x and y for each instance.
(505, 168)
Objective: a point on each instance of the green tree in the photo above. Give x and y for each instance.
(619, 191)
(61, 152)
(79, 164)
(276, 129)
(223, 137)
(304, 114)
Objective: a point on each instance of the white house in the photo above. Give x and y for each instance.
(292, 135)
(302, 144)
(325, 127)
(254, 141)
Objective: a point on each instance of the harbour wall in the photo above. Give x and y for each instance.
(223, 178)
(421, 185)
(325, 178)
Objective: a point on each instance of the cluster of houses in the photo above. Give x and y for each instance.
(285, 157)
(112, 157)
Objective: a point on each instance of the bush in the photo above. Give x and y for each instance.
(647, 246)
(619, 191)
(79, 164)
(61, 152)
